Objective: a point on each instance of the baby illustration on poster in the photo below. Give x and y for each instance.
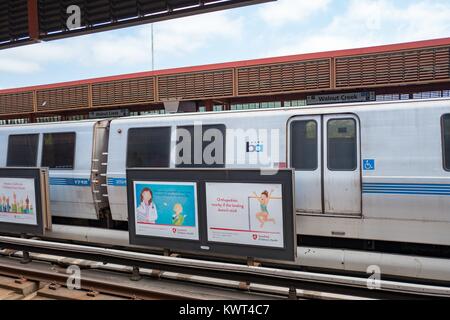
(178, 217)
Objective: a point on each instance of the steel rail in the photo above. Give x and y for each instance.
(262, 275)
(86, 284)
(219, 284)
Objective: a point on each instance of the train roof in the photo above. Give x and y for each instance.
(56, 124)
(326, 108)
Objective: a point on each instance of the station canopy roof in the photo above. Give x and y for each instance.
(27, 21)
(397, 68)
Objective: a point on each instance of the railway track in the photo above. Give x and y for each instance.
(13, 288)
(107, 271)
(47, 278)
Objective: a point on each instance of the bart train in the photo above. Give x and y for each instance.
(372, 180)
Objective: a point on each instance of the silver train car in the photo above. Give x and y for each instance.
(372, 177)
(73, 153)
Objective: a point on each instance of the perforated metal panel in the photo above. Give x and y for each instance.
(199, 85)
(288, 77)
(16, 103)
(13, 21)
(63, 98)
(123, 92)
(415, 66)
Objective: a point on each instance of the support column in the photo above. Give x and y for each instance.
(33, 20)
(209, 105)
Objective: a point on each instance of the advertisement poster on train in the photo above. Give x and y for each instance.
(245, 213)
(166, 209)
(18, 201)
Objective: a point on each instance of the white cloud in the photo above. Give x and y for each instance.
(178, 37)
(278, 28)
(376, 22)
(286, 11)
(110, 50)
(8, 65)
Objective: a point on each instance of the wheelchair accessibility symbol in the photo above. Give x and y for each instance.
(369, 165)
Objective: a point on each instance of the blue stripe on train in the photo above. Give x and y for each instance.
(407, 189)
(118, 182)
(75, 182)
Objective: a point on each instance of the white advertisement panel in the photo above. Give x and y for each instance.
(166, 209)
(245, 213)
(17, 201)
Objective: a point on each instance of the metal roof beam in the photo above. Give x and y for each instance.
(42, 25)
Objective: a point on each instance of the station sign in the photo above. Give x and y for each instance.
(109, 114)
(232, 212)
(341, 98)
(24, 201)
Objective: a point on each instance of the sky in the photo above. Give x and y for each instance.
(278, 28)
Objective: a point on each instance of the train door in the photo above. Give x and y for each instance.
(305, 158)
(325, 153)
(342, 173)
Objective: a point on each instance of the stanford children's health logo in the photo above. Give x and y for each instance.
(174, 230)
(255, 237)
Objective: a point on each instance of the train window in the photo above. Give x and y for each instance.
(22, 150)
(148, 147)
(210, 154)
(304, 148)
(342, 145)
(59, 150)
(446, 133)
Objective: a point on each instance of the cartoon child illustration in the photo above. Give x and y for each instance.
(20, 207)
(2, 203)
(178, 218)
(147, 212)
(7, 206)
(263, 216)
(14, 204)
(27, 205)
